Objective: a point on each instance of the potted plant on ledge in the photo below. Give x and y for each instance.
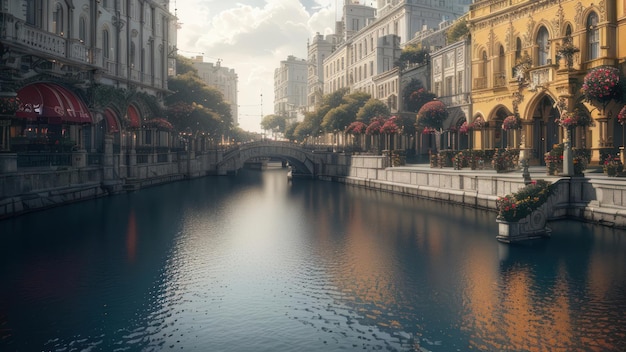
(522, 215)
(612, 165)
(567, 52)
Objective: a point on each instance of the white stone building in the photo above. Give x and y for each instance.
(451, 82)
(290, 88)
(223, 79)
(362, 60)
(318, 49)
(87, 75)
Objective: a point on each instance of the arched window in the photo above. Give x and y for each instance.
(593, 36)
(518, 49)
(34, 10)
(484, 64)
(57, 20)
(543, 47)
(106, 46)
(501, 60)
(82, 30)
(568, 32)
(132, 55)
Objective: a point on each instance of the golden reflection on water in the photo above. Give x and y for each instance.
(365, 276)
(512, 313)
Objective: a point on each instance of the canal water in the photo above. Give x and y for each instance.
(255, 263)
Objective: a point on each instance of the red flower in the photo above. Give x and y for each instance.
(601, 84)
(621, 117)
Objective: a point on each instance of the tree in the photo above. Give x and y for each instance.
(276, 123)
(415, 95)
(432, 115)
(196, 106)
(308, 127)
(333, 99)
(354, 102)
(290, 131)
(239, 135)
(457, 31)
(372, 108)
(336, 119)
(184, 65)
(412, 54)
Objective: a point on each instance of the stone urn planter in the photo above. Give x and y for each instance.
(531, 227)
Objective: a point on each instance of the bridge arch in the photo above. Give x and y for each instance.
(305, 161)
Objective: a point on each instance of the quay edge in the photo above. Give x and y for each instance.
(597, 198)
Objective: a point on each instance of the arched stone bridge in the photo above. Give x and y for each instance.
(305, 160)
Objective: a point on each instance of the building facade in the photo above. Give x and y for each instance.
(223, 79)
(450, 82)
(363, 60)
(87, 76)
(518, 68)
(290, 88)
(318, 49)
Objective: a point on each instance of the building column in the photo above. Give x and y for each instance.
(108, 157)
(132, 157)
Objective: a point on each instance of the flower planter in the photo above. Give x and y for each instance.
(531, 227)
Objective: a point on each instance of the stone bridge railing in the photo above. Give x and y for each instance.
(306, 160)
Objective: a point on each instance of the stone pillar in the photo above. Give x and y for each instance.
(132, 157)
(8, 162)
(108, 157)
(79, 159)
(568, 157)
(5, 129)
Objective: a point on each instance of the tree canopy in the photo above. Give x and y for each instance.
(371, 109)
(432, 115)
(194, 105)
(458, 30)
(415, 96)
(412, 54)
(276, 123)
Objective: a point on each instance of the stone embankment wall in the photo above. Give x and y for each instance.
(591, 199)
(33, 189)
(598, 199)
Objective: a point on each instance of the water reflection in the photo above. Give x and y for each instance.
(131, 237)
(256, 264)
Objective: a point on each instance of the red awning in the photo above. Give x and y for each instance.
(51, 101)
(112, 125)
(133, 115)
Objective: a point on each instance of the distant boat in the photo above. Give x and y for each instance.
(290, 173)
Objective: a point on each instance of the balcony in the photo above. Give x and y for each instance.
(480, 83)
(540, 76)
(21, 34)
(455, 100)
(499, 80)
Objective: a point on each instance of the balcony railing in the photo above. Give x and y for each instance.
(455, 100)
(18, 31)
(540, 76)
(480, 82)
(499, 79)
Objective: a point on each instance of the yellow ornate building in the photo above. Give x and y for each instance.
(520, 66)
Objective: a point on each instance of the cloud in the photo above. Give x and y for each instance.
(252, 37)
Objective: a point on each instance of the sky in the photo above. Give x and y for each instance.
(252, 37)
